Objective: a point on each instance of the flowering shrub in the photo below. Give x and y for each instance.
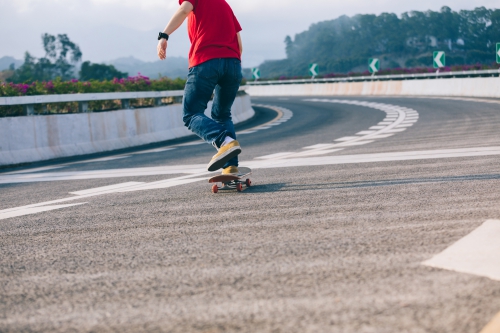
(136, 83)
(57, 87)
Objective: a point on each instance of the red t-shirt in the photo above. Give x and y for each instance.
(212, 29)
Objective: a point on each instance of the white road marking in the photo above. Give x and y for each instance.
(35, 210)
(274, 156)
(34, 170)
(271, 161)
(157, 150)
(197, 173)
(103, 159)
(347, 138)
(397, 120)
(477, 253)
(106, 188)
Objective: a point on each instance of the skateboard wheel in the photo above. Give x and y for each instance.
(215, 188)
(248, 182)
(239, 187)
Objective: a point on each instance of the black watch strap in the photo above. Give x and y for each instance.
(162, 35)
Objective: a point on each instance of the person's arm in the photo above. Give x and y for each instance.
(240, 43)
(174, 23)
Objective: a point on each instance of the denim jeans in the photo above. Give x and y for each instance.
(220, 77)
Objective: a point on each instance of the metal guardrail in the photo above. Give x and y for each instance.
(84, 99)
(441, 75)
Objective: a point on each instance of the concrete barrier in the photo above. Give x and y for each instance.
(38, 138)
(470, 87)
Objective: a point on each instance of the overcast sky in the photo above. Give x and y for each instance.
(110, 29)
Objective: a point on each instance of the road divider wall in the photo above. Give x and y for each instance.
(38, 138)
(469, 87)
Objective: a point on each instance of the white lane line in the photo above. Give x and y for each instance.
(356, 143)
(347, 138)
(396, 118)
(477, 253)
(104, 159)
(201, 174)
(321, 146)
(316, 152)
(35, 210)
(273, 156)
(200, 169)
(157, 150)
(34, 170)
(106, 188)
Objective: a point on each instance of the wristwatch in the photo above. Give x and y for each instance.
(162, 35)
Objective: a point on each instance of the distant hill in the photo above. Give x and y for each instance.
(346, 43)
(5, 62)
(172, 67)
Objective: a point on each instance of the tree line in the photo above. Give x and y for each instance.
(61, 60)
(345, 44)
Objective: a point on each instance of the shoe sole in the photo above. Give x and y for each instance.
(222, 160)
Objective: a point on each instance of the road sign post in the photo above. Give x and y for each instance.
(256, 73)
(313, 69)
(498, 53)
(373, 65)
(439, 60)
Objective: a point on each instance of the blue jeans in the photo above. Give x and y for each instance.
(222, 78)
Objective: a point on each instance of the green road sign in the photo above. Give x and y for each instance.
(256, 73)
(498, 53)
(313, 69)
(439, 59)
(373, 65)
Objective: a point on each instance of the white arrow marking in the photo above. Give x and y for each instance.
(498, 52)
(477, 253)
(438, 59)
(372, 65)
(313, 69)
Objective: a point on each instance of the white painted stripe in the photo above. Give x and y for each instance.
(395, 130)
(320, 146)
(35, 210)
(245, 132)
(104, 159)
(366, 132)
(381, 136)
(106, 188)
(263, 127)
(477, 253)
(195, 143)
(316, 152)
(385, 123)
(356, 143)
(34, 170)
(273, 156)
(162, 184)
(157, 150)
(347, 138)
(404, 125)
(377, 127)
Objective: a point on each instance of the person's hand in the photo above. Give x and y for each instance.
(162, 49)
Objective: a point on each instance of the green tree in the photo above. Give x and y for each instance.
(100, 72)
(61, 57)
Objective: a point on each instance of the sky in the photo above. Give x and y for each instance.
(109, 29)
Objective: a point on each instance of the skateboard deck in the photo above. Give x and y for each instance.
(231, 182)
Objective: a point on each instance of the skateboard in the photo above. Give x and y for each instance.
(231, 182)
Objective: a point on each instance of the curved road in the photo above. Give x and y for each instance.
(367, 215)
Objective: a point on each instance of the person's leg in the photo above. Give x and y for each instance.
(225, 94)
(200, 85)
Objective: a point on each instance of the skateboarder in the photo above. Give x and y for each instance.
(214, 63)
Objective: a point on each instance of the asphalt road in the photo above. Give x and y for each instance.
(331, 237)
